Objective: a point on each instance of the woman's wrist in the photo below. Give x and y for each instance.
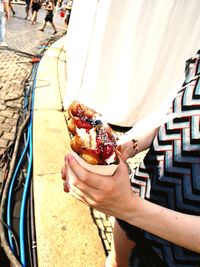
(132, 210)
(135, 147)
(129, 150)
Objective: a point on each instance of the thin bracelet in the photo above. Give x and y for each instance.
(135, 146)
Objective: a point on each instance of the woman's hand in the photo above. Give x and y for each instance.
(109, 194)
(129, 150)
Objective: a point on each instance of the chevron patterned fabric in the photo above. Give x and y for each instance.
(170, 173)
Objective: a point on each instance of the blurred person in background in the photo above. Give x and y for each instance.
(49, 6)
(27, 9)
(36, 6)
(11, 7)
(67, 7)
(4, 15)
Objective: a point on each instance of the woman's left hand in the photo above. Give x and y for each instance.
(109, 194)
(128, 150)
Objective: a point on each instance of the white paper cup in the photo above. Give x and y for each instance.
(106, 170)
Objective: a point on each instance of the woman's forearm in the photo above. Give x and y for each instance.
(181, 229)
(145, 142)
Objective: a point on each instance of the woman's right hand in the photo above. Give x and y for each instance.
(108, 194)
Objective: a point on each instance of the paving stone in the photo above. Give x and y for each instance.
(3, 94)
(109, 229)
(12, 122)
(6, 87)
(107, 245)
(106, 223)
(13, 104)
(7, 136)
(1, 151)
(3, 143)
(2, 119)
(14, 95)
(16, 116)
(7, 113)
(96, 214)
(111, 220)
(108, 237)
(103, 235)
(13, 130)
(6, 126)
(2, 107)
(100, 224)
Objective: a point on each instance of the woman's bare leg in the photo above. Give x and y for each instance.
(33, 17)
(43, 26)
(54, 27)
(120, 248)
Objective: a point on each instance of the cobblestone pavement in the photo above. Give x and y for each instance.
(12, 72)
(23, 39)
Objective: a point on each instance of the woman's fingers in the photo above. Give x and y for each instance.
(88, 199)
(97, 191)
(91, 179)
(66, 186)
(77, 197)
(72, 180)
(63, 173)
(74, 191)
(83, 189)
(92, 184)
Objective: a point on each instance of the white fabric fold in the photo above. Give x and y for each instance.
(126, 59)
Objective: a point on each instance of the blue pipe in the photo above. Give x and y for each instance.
(27, 181)
(9, 203)
(23, 203)
(10, 194)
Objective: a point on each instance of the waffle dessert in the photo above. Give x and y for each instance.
(91, 137)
